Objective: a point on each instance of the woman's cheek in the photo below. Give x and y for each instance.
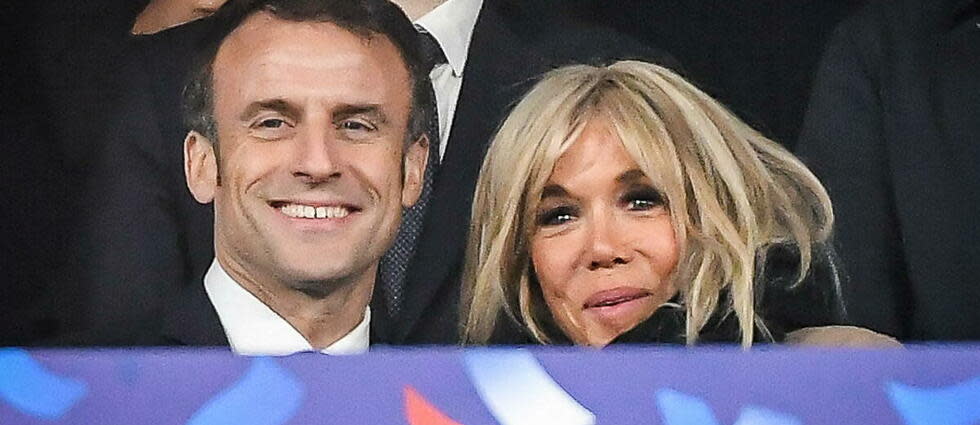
(550, 265)
(555, 260)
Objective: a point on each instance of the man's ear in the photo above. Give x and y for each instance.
(415, 158)
(200, 167)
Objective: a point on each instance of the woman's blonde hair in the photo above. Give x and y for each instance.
(731, 193)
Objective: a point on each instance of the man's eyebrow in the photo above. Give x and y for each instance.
(276, 105)
(553, 191)
(369, 110)
(631, 176)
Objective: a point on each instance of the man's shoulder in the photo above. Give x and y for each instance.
(189, 319)
(110, 337)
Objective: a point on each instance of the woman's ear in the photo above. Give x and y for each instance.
(415, 159)
(200, 167)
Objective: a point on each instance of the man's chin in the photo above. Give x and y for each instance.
(319, 282)
(315, 288)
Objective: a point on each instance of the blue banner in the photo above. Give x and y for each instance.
(505, 386)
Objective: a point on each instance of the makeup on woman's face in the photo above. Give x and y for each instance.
(603, 245)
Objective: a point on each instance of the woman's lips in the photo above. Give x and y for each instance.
(619, 308)
(614, 297)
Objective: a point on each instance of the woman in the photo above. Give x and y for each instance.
(611, 194)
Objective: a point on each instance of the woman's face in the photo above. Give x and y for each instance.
(603, 247)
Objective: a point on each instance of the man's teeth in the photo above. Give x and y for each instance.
(306, 211)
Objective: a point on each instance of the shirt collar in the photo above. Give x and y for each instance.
(253, 329)
(452, 26)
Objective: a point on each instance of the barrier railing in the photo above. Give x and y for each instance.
(507, 386)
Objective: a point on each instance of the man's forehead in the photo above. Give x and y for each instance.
(263, 32)
(266, 55)
(264, 27)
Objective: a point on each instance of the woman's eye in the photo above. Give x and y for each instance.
(556, 216)
(642, 204)
(643, 199)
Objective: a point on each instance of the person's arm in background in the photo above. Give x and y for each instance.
(840, 336)
(843, 142)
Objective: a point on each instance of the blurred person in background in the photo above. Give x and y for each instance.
(892, 130)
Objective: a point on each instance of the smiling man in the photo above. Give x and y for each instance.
(307, 134)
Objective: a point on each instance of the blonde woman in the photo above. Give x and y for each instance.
(622, 203)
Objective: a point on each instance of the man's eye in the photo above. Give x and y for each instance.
(271, 123)
(556, 216)
(353, 125)
(271, 128)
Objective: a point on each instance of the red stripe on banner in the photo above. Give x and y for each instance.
(418, 410)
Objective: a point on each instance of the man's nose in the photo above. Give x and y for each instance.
(607, 243)
(317, 156)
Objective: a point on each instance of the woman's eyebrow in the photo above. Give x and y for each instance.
(631, 176)
(553, 191)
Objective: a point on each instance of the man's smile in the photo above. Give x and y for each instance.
(298, 210)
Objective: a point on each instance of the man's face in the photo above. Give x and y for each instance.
(311, 122)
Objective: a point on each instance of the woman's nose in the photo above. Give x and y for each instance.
(607, 246)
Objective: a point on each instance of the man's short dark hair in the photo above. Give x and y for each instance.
(364, 18)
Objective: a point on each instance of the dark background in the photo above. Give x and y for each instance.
(60, 63)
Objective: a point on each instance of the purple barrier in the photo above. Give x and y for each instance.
(673, 386)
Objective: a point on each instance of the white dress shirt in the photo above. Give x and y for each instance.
(253, 329)
(451, 24)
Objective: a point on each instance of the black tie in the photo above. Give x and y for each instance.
(394, 264)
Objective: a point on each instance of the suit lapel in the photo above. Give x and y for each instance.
(192, 319)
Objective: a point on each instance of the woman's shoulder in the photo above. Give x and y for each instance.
(786, 303)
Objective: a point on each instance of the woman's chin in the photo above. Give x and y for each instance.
(601, 336)
(597, 341)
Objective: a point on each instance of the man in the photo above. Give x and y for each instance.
(488, 59)
(892, 132)
(306, 131)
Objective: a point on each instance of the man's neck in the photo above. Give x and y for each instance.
(321, 320)
(416, 9)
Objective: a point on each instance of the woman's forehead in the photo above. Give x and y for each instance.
(604, 138)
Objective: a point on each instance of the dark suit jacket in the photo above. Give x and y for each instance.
(149, 239)
(192, 321)
(144, 238)
(195, 322)
(893, 131)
